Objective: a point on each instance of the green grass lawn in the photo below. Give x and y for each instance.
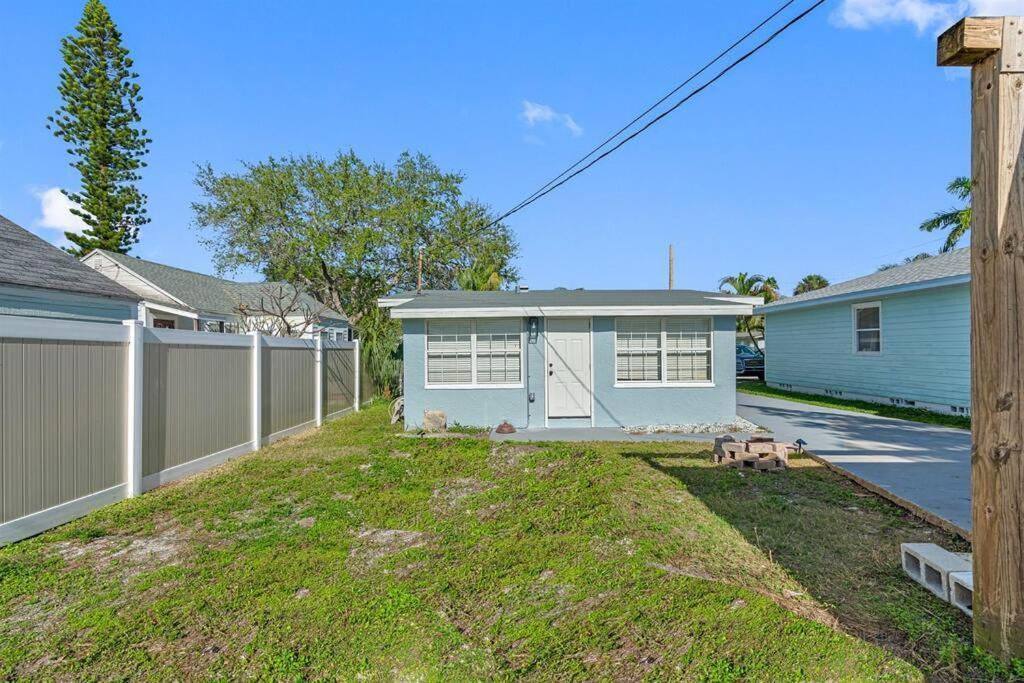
(902, 413)
(357, 553)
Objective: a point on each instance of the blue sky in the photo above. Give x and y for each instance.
(821, 154)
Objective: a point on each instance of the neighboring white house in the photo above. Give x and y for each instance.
(182, 299)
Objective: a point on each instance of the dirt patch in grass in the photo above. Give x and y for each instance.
(549, 469)
(36, 613)
(128, 556)
(449, 496)
(506, 458)
(373, 545)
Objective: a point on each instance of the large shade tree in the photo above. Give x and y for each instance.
(349, 232)
(958, 219)
(751, 284)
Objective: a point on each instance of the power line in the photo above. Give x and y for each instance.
(554, 186)
(654, 106)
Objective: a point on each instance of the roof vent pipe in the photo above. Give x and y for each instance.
(522, 288)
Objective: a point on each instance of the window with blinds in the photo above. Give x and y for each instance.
(663, 350)
(450, 352)
(638, 350)
(468, 352)
(688, 349)
(498, 351)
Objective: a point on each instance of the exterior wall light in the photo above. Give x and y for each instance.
(533, 326)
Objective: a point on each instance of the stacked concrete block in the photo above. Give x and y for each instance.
(759, 453)
(931, 566)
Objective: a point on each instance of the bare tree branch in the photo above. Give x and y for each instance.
(280, 310)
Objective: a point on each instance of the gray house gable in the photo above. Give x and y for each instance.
(186, 289)
(29, 261)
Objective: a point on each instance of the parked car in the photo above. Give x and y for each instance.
(749, 362)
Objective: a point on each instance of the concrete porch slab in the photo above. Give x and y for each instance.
(600, 434)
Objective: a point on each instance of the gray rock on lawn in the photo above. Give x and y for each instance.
(435, 421)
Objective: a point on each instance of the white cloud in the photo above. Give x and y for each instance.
(56, 210)
(534, 114)
(925, 15)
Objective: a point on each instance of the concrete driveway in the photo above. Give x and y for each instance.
(928, 465)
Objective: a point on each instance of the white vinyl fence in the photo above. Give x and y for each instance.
(91, 413)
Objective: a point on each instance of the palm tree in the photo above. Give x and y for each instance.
(957, 221)
(750, 284)
(810, 283)
(482, 276)
(910, 259)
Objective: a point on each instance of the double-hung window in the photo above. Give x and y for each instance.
(474, 352)
(867, 327)
(662, 351)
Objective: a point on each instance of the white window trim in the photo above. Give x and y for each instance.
(853, 313)
(472, 360)
(664, 383)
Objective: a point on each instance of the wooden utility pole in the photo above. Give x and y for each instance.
(994, 49)
(671, 267)
(419, 272)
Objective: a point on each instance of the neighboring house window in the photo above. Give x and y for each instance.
(211, 325)
(163, 323)
(469, 352)
(867, 327)
(231, 328)
(663, 350)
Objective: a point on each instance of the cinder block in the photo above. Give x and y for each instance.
(734, 447)
(718, 451)
(930, 566)
(961, 591)
(760, 447)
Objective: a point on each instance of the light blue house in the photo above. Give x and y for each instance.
(900, 336)
(570, 358)
(39, 280)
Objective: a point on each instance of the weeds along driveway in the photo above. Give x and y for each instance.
(926, 464)
(352, 552)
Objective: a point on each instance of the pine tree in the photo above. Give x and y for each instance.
(99, 120)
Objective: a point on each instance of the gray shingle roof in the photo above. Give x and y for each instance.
(29, 261)
(937, 269)
(206, 293)
(431, 299)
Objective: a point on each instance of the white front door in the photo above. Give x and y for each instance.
(568, 359)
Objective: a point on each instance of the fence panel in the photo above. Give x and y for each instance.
(196, 401)
(339, 379)
(61, 422)
(68, 402)
(288, 386)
